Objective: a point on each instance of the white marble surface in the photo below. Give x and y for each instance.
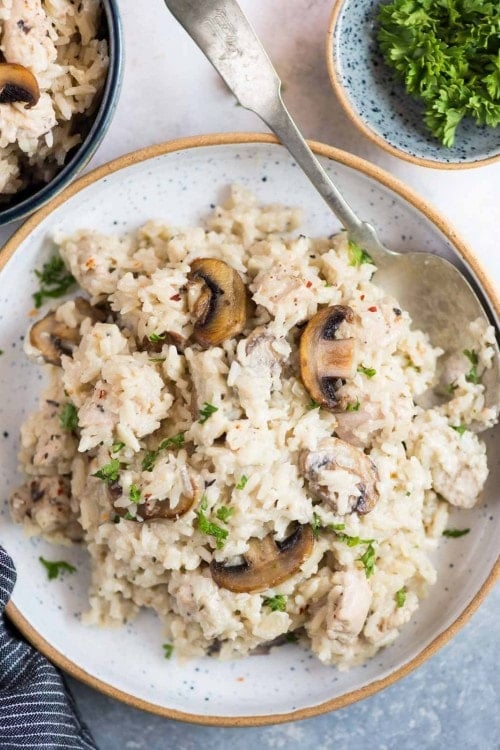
(169, 91)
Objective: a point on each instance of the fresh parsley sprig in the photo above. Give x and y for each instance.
(55, 280)
(68, 417)
(276, 603)
(206, 412)
(208, 527)
(55, 567)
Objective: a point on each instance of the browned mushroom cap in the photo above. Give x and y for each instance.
(18, 84)
(53, 338)
(266, 564)
(325, 360)
(221, 308)
(333, 454)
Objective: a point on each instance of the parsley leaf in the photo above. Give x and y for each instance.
(156, 337)
(54, 279)
(368, 371)
(69, 417)
(472, 376)
(206, 412)
(175, 441)
(224, 513)
(109, 472)
(312, 405)
(242, 483)
(455, 533)
(460, 428)
(276, 603)
(207, 527)
(316, 525)
(291, 637)
(168, 649)
(368, 560)
(116, 447)
(353, 406)
(351, 541)
(135, 494)
(400, 597)
(54, 568)
(357, 256)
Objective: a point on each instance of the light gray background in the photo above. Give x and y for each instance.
(170, 91)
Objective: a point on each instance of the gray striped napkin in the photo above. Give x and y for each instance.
(36, 708)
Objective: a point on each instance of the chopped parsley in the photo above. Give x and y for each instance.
(351, 541)
(149, 460)
(175, 441)
(135, 494)
(208, 527)
(450, 388)
(54, 568)
(353, 406)
(242, 483)
(460, 428)
(368, 371)
(455, 533)
(109, 472)
(156, 337)
(291, 638)
(472, 376)
(116, 447)
(400, 597)
(69, 417)
(317, 525)
(357, 256)
(206, 412)
(156, 359)
(168, 650)
(312, 405)
(275, 603)
(446, 53)
(224, 513)
(1, 351)
(54, 280)
(128, 516)
(368, 560)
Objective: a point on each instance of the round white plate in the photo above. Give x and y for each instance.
(178, 182)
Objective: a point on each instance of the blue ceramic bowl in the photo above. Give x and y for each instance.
(101, 121)
(378, 104)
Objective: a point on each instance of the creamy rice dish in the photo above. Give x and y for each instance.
(53, 65)
(231, 429)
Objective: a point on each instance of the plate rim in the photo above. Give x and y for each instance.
(356, 119)
(370, 170)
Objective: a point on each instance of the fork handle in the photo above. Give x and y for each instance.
(225, 36)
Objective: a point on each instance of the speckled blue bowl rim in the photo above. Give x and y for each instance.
(97, 132)
(355, 117)
(387, 180)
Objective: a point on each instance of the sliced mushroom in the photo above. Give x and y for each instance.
(267, 563)
(358, 493)
(221, 308)
(53, 338)
(18, 84)
(324, 360)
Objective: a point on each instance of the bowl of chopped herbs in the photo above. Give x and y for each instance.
(421, 78)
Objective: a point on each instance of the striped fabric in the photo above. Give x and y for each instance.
(36, 709)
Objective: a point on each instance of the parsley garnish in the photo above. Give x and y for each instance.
(455, 533)
(175, 441)
(460, 428)
(135, 494)
(368, 560)
(168, 649)
(156, 359)
(450, 388)
(1, 351)
(368, 371)
(128, 516)
(353, 406)
(207, 527)
(276, 603)
(109, 472)
(55, 567)
(54, 279)
(351, 541)
(224, 513)
(242, 483)
(291, 638)
(206, 411)
(156, 337)
(312, 405)
(69, 417)
(357, 256)
(447, 55)
(316, 525)
(472, 376)
(400, 597)
(116, 447)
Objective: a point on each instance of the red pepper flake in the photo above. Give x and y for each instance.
(372, 309)
(309, 284)
(240, 679)
(102, 394)
(176, 297)
(362, 297)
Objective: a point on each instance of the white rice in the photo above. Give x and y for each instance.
(344, 611)
(57, 40)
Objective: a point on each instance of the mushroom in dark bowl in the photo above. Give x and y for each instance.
(18, 84)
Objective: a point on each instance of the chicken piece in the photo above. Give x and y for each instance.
(27, 36)
(47, 447)
(46, 502)
(347, 605)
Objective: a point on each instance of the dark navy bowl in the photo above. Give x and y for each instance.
(101, 120)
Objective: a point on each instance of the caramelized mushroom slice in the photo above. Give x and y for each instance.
(324, 360)
(18, 84)
(221, 308)
(266, 564)
(53, 338)
(336, 455)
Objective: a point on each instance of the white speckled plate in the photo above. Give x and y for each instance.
(178, 182)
